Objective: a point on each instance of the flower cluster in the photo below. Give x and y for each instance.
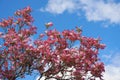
(16, 55)
(59, 56)
(24, 16)
(71, 35)
(53, 54)
(6, 22)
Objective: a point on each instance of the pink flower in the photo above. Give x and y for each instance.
(41, 35)
(28, 9)
(18, 13)
(49, 24)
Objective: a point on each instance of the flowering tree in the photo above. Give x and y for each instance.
(53, 54)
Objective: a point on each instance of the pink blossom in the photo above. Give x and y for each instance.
(49, 24)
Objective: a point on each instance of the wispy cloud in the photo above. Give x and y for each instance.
(95, 10)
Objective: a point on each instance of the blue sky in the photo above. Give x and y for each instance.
(98, 18)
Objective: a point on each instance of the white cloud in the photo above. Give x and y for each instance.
(98, 10)
(95, 10)
(112, 70)
(59, 6)
(112, 73)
